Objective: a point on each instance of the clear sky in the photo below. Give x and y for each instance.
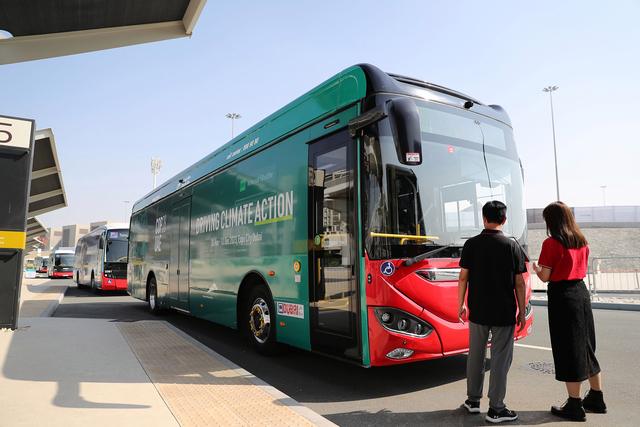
(111, 111)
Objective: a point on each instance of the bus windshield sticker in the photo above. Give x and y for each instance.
(290, 310)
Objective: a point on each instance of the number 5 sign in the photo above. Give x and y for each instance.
(15, 133)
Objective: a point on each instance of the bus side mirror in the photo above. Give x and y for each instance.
(101, 244)
(405, 125)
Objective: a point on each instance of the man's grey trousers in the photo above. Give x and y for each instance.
(501, 356)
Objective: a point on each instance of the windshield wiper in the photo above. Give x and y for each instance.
(425, 255)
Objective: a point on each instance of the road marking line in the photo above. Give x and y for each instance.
(533, 346)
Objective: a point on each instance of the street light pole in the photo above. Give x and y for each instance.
(604, 195)
(156, 164)
(552, 89)
(233, 116)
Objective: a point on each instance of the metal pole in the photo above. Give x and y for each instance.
(555, 153)
(233, 117)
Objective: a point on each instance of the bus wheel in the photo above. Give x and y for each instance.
(152, 300)
(78, 281)
(260, 318)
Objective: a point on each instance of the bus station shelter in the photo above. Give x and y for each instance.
(38, 29)
(47, 189)
(35, 233)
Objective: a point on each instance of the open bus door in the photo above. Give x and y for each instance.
(334, 291)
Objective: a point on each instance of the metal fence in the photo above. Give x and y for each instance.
(606, 274)
(614, 274)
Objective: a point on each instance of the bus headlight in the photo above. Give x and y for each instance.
(402, 322)
(386, 317)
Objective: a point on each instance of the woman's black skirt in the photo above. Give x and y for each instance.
(573, 337)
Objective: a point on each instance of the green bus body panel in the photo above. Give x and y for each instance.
(250, 217)
(336, 93)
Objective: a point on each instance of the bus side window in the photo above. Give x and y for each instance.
(404, 201)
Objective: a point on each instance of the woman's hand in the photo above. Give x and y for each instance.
(536, 268)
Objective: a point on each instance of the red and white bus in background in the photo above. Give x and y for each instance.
(60, 264)
(101, 258)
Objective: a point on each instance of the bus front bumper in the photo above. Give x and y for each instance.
(61, 274)
(388, 347)
(111, 284)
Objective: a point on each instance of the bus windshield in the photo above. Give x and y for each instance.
(467, 160)
(64, 260)
(117, 245)
(116, 251)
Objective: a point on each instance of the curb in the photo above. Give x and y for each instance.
(598, 305)
(53, 305)
(286, 400)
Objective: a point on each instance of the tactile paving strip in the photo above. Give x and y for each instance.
(199, 389)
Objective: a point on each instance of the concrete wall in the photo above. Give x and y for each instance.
(603, 242)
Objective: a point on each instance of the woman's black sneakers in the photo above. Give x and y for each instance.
(594, 402)
(571, 410)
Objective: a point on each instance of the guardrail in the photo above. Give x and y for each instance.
(615, 274)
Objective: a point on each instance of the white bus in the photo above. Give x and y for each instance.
(101, 258)
(60, 263)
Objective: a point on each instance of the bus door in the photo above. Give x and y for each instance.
(333, 289)
(179, 270)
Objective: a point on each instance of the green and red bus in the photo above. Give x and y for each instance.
(335, 224)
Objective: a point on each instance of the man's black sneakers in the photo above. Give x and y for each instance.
(471, 406)
(594, 402)
(571, 410)
(502, 416)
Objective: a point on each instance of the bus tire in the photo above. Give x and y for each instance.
(78, 284)
(259, 321)
(152, 297)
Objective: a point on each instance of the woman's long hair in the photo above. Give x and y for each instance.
(561, 225)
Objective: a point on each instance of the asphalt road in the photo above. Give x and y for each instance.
(415, 394)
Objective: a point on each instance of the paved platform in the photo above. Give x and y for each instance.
(101, 372)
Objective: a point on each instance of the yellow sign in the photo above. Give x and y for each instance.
(12, 239)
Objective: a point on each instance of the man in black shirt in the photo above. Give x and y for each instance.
(491, 268)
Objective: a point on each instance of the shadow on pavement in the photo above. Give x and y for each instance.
(453, 417)
(306, 377)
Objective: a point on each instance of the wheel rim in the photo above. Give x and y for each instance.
(152, 300)
(260, 320)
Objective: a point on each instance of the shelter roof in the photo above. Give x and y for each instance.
(38, 29)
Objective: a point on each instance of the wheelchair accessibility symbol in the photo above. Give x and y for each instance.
(387, 268)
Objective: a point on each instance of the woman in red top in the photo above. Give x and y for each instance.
(563, 263)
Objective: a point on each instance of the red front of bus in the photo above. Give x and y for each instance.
(413, 311)
(61, 274)
(112, 283)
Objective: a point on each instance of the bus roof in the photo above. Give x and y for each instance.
(340, 91)
(105, 227)
(67, 250)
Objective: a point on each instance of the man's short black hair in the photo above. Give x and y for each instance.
(495, 211)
